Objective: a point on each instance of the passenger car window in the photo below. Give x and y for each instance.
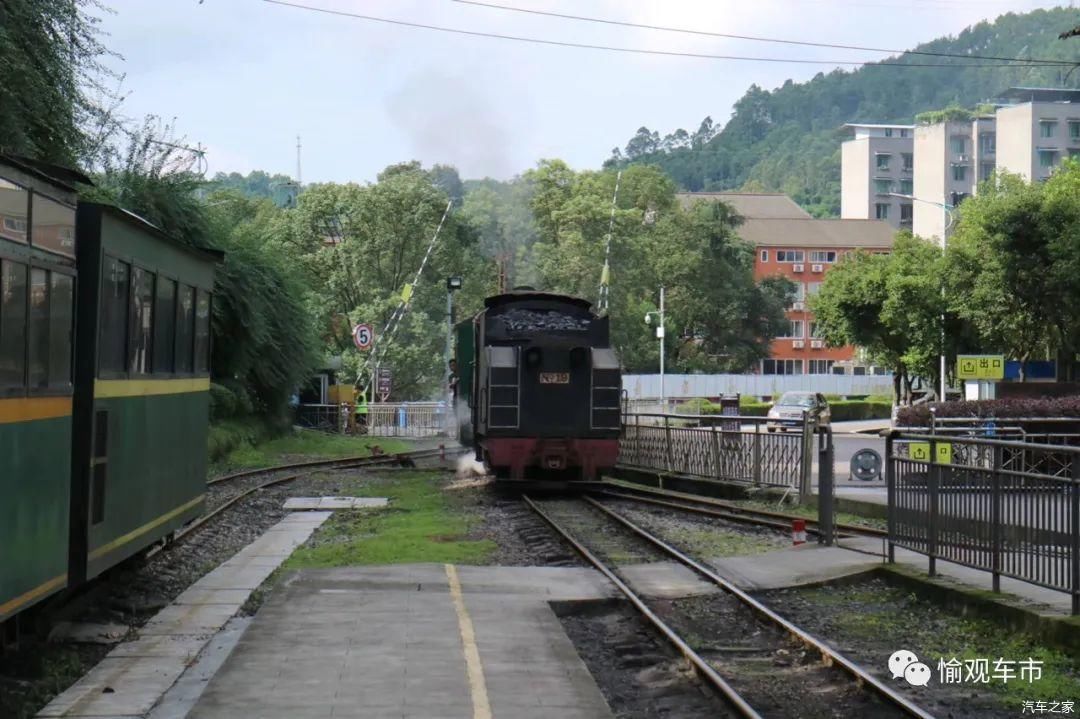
(114, 316)
(39, 328)
(53, 226)
(12, 324)
(13, 206)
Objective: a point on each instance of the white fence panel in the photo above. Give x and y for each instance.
(686, 386)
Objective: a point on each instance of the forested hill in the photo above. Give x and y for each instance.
(788, 139)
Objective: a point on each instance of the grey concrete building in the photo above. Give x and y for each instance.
(877, 164)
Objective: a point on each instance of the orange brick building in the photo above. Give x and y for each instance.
(788, 242)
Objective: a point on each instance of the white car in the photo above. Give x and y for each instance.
(787, 412)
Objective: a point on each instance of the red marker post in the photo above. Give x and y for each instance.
(798, 531)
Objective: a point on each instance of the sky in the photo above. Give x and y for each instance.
(243, 78)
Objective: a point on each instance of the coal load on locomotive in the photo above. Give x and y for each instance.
(540, 388)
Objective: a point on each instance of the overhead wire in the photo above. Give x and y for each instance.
(641, 51)
(753, 38)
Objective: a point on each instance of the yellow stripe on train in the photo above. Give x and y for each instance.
(29, 409)
(109, 388)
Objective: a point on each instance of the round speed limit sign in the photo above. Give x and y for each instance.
(363, 336)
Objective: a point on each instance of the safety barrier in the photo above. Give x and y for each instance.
(734, 449)
(1007, 507)
(405, 419)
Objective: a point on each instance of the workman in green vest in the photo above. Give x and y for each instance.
(361, 412)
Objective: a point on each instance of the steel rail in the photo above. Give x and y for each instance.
(737, 509)
(828, 655)
(700, 665)
(346, 462)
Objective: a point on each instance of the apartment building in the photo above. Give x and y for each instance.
(788, 241)
(1039, 131)
(804, 250)
(877, 164)
(953, 157)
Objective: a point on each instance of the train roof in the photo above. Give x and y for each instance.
(527, 295)
(64, 177)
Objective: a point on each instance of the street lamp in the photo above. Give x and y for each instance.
(453, 284)
(660, 334)
(947, 221)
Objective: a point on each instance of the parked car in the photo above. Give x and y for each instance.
(787, 412)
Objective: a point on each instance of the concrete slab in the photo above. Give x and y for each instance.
(666, 580)
(392, 642)
(805, 564)
(331, 503)
(136, 674)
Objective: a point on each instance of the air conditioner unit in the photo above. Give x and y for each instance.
(817, 268)
(798, 306)
(817, 344)
(797, 268)
(960, 159)
(798, 344)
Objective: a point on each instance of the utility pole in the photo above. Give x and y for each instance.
(660, 335)
(298, 180)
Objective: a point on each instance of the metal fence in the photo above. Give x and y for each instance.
(1007, 507)
(406, 419)
(734, 449)
(687, 386)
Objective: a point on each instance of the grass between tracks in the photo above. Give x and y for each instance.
(894, 618)
(422, 524)
(301, 445)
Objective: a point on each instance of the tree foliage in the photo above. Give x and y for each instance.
(1012, 264)
(718, 317)
(50, 65)
(788, 138)
(263, 343)
(359, 245)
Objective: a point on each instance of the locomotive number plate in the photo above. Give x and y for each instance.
(554, 378)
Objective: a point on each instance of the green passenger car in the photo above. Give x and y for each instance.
(37, 285)
(142, 383)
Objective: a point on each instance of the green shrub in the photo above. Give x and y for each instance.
(227, 435)
(860, 409)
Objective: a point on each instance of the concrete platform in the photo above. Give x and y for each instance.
(427, 640)
(134, 676)
(666, 580)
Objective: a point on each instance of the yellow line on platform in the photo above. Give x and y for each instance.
(477, 686)
(109, 388)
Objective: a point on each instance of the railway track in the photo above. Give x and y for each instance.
(760, 635)
(230, 489)
(730, 511)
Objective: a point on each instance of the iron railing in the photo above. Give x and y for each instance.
(406, 419)
(726, 448)
(1007, 507)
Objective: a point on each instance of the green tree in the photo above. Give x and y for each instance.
(359, 246)
(50, 58)
(260, 304)
(1011, 264)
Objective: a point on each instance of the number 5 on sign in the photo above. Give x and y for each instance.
(363, 336)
